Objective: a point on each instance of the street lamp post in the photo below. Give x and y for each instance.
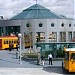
(19, 35)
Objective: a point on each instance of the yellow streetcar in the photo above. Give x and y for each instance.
(6, 40)
(69, 60)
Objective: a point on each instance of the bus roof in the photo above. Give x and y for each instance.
(70, 49)
(7, 36)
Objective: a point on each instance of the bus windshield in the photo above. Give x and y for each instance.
(67, 56)
(73, 56)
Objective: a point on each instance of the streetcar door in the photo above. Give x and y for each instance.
(72, 62)
(0, 43)
(66, 60)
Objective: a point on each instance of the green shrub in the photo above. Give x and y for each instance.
(55, 53)
(27, 55)
(60, 53)
(46, 53)
(32, 56)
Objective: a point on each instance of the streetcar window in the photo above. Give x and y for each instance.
(15, 41)
(12, 41)
(73, 56)
(67, 56)
(4, 41)
(9, 41)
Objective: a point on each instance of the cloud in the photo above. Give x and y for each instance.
(9, 8)
(64, 7)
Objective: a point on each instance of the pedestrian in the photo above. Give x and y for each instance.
(9, 46)
(38, 58)
(17, 47)
(17, 51)
(50, 58)
(42, 59)
(12, 46)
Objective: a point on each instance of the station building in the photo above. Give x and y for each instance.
(40, 24)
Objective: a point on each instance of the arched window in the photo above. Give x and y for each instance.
(62, 24)
(52, 24)
(27, 25)
(69, 25)
(40, 25)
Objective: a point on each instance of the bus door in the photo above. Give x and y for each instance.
(0, 43)
(66, 60)
(72, 62)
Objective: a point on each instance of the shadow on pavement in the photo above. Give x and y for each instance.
(33, 63)
(57, 69)
(12, 53)
(15, 58)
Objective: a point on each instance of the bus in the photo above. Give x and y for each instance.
(69, 59)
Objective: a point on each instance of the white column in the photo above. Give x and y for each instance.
(58, 36)
(67, 40)
(72, 35)
(46, 40)
(34, 40)
(46, 37)
(3, 30)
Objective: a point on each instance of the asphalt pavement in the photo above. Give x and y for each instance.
(8, 60)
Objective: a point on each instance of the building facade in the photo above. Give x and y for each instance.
(40, 25)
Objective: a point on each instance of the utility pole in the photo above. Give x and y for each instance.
(20, 35)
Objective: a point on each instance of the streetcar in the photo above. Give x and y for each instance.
(69, 59)
(6, 40)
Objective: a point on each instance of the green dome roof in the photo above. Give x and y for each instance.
(37, 12)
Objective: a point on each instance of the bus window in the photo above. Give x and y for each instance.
(67, 56)
(6, 41)
(9, 41)
(73, 56)
(12, 41)
(15, 41)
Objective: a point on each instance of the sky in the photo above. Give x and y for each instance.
(10, 8)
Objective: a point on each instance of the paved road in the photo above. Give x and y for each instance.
(9, 65)
(8, 60)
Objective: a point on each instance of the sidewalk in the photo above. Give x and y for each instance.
(23, 71)
(9, 65)
(8, 60)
